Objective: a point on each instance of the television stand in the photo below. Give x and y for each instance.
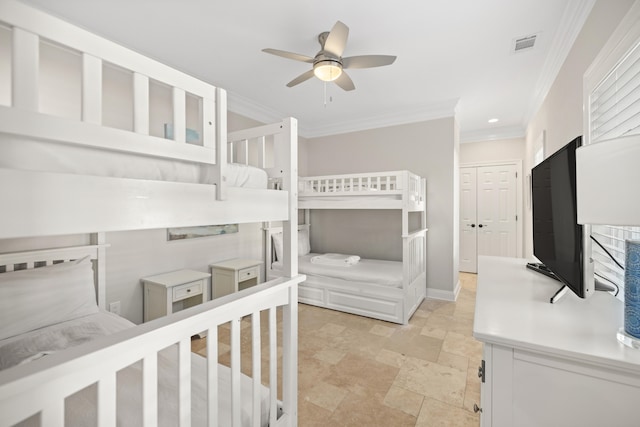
(550, 364)
(542, 269)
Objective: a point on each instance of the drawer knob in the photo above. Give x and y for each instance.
(188, 290)
(476, 408)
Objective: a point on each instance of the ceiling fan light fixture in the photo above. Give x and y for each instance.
(327, 70)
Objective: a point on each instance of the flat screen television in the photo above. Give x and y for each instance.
(559, 242)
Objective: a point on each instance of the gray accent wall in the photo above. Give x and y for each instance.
(429, 149)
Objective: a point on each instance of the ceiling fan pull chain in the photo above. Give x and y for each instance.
(325, 94)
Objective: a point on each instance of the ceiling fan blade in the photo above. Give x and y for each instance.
(345, 82)
(367, 61)
(289, 55)
(301, 78)
(337, 39)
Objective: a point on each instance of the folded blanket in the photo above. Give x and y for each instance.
(336, 259)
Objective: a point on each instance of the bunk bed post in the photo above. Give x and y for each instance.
(287, 153)
(99, 239)
(220, 120)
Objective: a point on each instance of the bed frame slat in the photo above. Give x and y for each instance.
(273, 366)
(256, 362)
(184, 375)
(150, 390)
(107, 401)
(235, 373)
(212, 377)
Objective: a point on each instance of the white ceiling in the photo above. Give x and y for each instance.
(453, 55)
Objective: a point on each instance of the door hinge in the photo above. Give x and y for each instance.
(516, 218)
(516, 174)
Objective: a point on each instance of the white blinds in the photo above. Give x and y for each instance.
(614, 112)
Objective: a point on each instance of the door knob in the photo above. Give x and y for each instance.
(480, 226)
(473, 226)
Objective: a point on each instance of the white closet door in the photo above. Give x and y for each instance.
(497, 210)
(468, 227)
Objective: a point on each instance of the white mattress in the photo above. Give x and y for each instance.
(379, 272)
(80, 408)
(49, 157)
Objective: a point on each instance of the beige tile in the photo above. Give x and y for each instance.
(430, 379)
(404, 400)
(382, 331)
(433, 332)
(324, 395)
(462, 345)
(391, 358)
(331, 330)
(354, 370)
(330, 355)
(454, 361)
(357, 371)
(439, 414)
(359, 411)
(311, 415)
(411, 343)
(358, 342)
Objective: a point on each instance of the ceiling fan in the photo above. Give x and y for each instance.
(328, 64)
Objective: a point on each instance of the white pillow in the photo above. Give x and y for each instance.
(277, 245)
(304, 247)
(39, 297)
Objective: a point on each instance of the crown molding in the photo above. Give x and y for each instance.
(251, 109)
(571, 23)
(422, 113)
(506, 132)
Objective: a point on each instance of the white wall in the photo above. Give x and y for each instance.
(426, 148)
(560, 116)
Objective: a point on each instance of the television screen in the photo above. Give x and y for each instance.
(557, 237)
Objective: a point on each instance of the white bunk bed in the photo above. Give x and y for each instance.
(94, 189)
(380, 289)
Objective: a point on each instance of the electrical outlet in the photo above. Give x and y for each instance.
(114, 307)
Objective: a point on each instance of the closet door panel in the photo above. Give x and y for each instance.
(497, 234)
(468, 225)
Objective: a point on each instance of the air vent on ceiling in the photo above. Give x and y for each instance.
(525, 43)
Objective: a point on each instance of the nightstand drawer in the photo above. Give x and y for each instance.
(187, 290)
(248, 273)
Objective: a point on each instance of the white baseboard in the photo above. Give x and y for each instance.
(444, 295)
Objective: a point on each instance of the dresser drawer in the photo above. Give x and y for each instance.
(248, 273)
(187, 290)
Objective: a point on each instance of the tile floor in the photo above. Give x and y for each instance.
(356, 371)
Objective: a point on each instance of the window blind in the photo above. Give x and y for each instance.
(614, 111)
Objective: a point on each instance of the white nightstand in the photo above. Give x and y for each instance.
(170, 292)
(234, 275)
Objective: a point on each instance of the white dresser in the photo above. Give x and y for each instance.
(551, 364)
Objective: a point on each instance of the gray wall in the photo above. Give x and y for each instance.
(426, 148)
